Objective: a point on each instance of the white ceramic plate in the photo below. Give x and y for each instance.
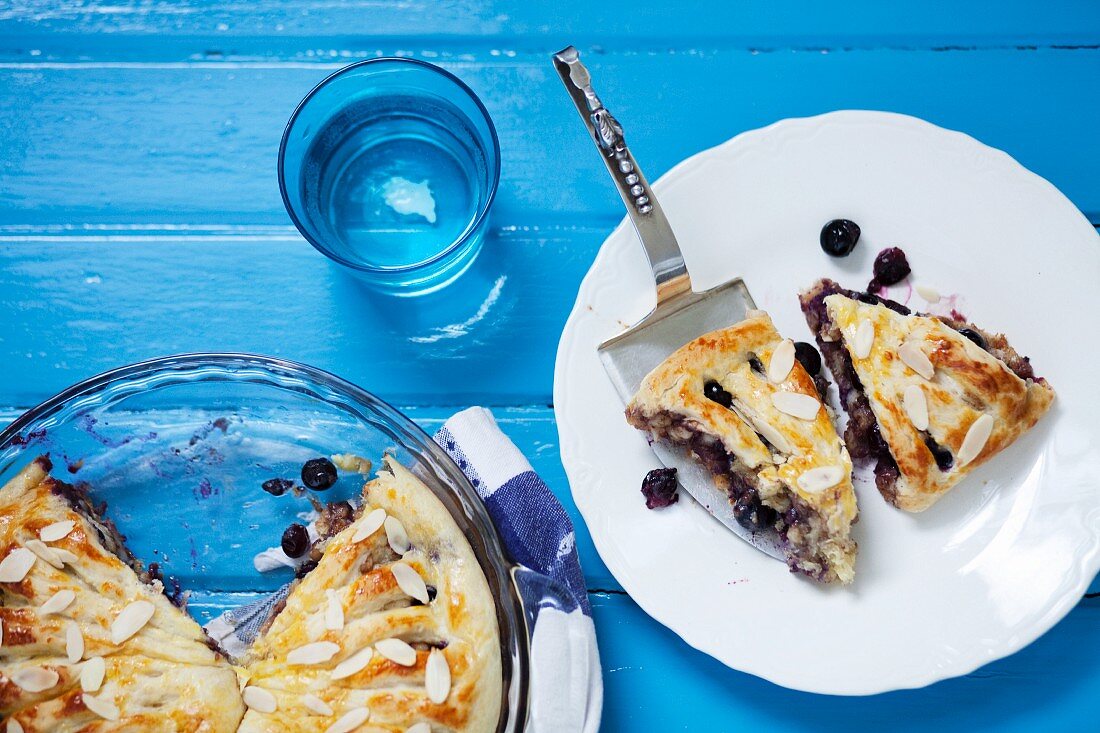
(999, 559)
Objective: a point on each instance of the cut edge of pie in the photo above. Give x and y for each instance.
(928, 397)
(780, 471)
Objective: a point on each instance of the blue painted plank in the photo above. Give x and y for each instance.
(803, 22)
(195, 143)
(655, 682)
(489, 338)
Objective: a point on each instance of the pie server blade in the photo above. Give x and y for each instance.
(680, 315)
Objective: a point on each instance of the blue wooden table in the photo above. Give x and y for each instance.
(140, 216)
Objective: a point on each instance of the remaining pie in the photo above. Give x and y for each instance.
(395, 625)
(928, 397)
(738, 401)
(89, 640)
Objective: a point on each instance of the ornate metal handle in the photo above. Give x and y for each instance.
(654, 231)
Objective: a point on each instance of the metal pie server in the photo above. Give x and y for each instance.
(681, 313)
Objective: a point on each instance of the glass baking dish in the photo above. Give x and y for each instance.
(178, 448)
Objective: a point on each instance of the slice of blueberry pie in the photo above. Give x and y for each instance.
(928, 397)
(740, 402)
(394, 629)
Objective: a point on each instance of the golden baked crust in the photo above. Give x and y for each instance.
(163, 678)
(460, 618)
(770, 448)
(967, 383)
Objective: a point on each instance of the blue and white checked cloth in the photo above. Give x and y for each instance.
(566, 686)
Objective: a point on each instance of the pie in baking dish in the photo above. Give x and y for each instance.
(928, 398)
(738, 401)
(394, 627)
(88, 640)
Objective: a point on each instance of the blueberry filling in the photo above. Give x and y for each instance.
(808, 357)
(714, 392)
(973, 335)
(432, 592)
(750, 512)
(944, 459)
(755, 365)
(659, 488)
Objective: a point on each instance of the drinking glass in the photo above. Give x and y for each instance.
(389, 167)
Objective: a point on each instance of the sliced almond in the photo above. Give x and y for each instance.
(318, 652)
(14, 726)
(437, 676)
(863, 338)
(57, 603)
(409, 581)
(64, 556)
(796, 404)
(131, 620)
(930, 295)
(16, 565)
(396, 651)
(315, 704)
(35, 679)
(913, 357)
(820, 478)
(976, 438)
(773, 436)
(38, 547)
(102, 707)
(396, 535)
(74, 642)
(916, 406)
(369, 524)
(419, 728)
(56, 531)
(92, 673)
(334, 611)
(782, 361)
(259, 699)
(349, 721)
(353, 664)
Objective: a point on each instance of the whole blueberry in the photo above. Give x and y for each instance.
(973, 336)
(277, 486)
(295, 540)
(713, 391)
(753, 515)
(659, 488)
(839, 237)
(808, 357)
(890, 267)
(319, 474)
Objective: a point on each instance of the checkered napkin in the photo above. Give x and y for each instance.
(566, 687)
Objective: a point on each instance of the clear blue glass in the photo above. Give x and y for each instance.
(389, 167)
